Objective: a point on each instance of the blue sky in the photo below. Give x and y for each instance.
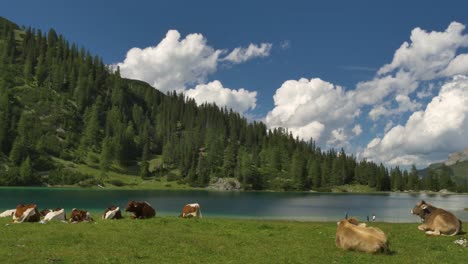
(343, 43)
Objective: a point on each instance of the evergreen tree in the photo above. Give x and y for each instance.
(26, 172)
(105, 159)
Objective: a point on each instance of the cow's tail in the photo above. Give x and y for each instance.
(457, 230)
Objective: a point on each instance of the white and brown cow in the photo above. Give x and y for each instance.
(78, 215)
(191, 210)
(352, 235)
(112, 212)
(437, 221)
(8, 213)
(26, 213)
(55, 214)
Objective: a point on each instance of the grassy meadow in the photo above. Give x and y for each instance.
(214, 240)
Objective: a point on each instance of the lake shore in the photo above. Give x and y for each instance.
(210, 240)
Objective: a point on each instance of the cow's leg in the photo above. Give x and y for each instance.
(422, 227)
(434, 233)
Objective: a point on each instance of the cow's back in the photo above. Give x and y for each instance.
(360, 238)
(444, 221)
(148, 211)
(22, 208)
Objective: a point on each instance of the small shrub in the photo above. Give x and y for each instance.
(117, 183)
(172, 176)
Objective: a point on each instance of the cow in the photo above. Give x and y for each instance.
(112, 212)
(437, 221)
(80, 216)
(8, 213)
(56, 214)
(352, 235)
(191, 210)
(26, 213)
(140, 210)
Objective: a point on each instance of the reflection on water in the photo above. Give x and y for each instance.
(389, 207)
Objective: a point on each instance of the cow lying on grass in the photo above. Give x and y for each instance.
(56, 214)
(80, 216)
(352, 235)
(140, 210)
(26, 213)
(191, 210)
(112, 212)
(437, 221)
(8, 213)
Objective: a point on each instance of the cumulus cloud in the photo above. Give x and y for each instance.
(177, 63)
(399, 87)
(357, 130)
(430, 134)
(173, 63)
(240, 100)
(428, 53)
(299, 104)
(239, 55)
(459, 65)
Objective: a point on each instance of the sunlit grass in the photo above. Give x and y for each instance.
(174, 240)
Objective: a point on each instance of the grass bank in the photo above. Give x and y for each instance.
(174, 240)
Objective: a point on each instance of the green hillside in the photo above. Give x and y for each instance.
(458, 172)
(66, 118)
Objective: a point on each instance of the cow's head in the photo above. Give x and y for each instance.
(45, 212)
(132, 206)
(421, 209)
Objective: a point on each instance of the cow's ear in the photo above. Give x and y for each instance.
(423, 202)
(424, 206)
(338, 223)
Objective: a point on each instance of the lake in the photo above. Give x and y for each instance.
(301, 206)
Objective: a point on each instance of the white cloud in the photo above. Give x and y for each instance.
(427, 135)
(303, 102)
(459, 65)
(239, 55)
(173, 63)
(428, 58)
(176, 63)
(357, 130)
(427, 92)
(312, 130)
(388, 126)
(428, 53)
(239, 100)
(338, 137)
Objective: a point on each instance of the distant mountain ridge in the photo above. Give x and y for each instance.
(456, 166)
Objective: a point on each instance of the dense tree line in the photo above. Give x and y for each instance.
(57, 101)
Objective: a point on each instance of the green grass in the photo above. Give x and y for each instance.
(174, 240)
(128, 176)
(354, 188)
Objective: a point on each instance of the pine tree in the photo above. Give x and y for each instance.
(105, 159)
(26, 172)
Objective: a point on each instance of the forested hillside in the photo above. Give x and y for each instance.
(60, 104)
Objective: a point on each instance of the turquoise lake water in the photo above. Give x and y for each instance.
(388, 207)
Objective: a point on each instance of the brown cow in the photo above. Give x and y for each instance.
(437, 221)
(80, 216)
(191, 210)
(112, 212)
(140, 210)
(352, 235)
(26, 213)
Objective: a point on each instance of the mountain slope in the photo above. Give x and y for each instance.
(64, 115)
